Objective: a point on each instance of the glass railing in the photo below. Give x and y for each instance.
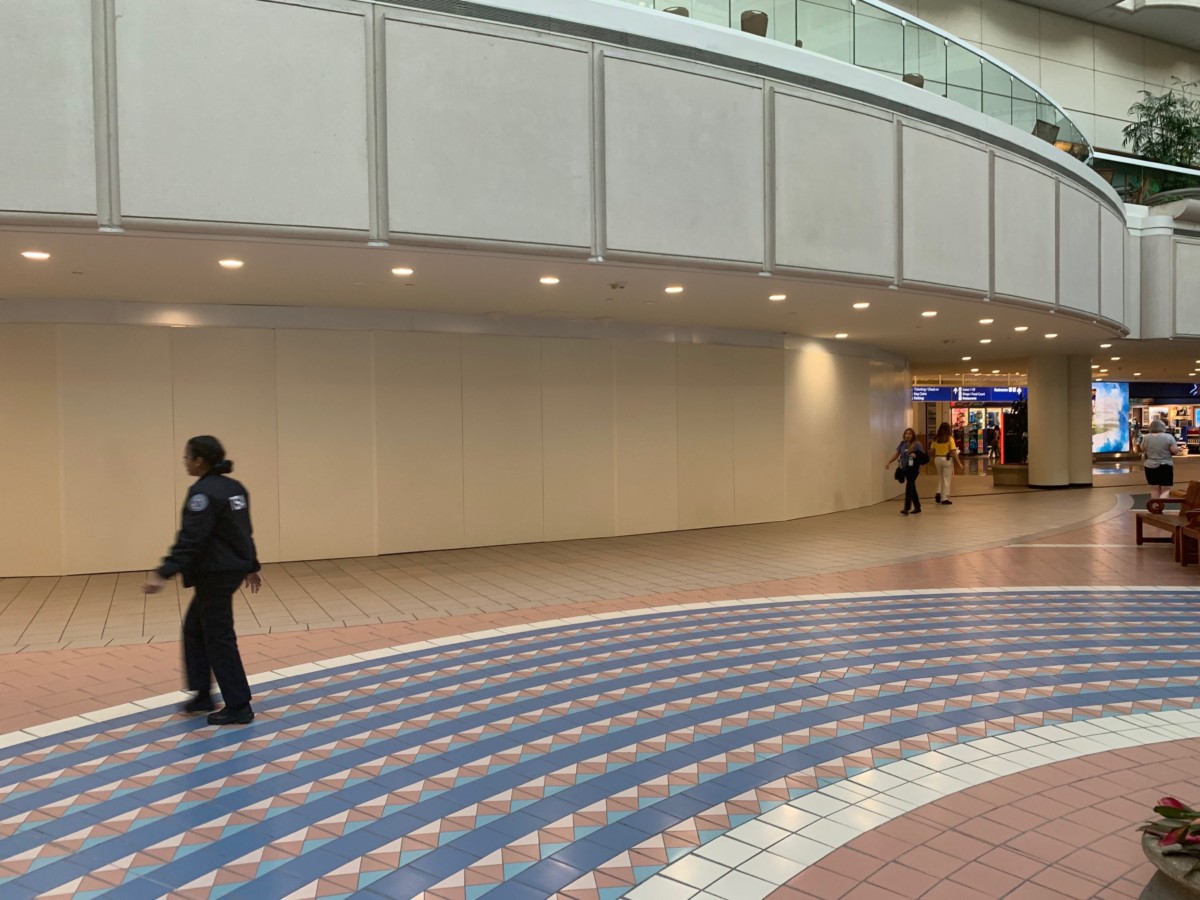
(872, 35)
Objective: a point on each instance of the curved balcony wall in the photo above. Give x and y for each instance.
(891, 42)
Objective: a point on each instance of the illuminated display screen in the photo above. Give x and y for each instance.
(1110, 417)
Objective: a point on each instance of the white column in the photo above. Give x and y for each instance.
(1079, 420)
(1049, 430)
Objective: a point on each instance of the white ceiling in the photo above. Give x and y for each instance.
(1175, 23)
(183, 270)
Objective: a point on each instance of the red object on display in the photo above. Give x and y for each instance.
(1000, 436)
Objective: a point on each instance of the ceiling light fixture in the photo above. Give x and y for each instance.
(777, 297)
(1137, 374)
(986, 321)
(1021, 328)
(38, 255)
(974, 370)
(402, 271)
(929, 313)
(841, 335)
(966, 359)
(1052, 335)
(985, 340)
(1105, 346)
(1104, 371)
(1095, 365)
(863, 304)
(230, 263)
(674, 289)
(995, 371)
(548, 279)
(1115, 358)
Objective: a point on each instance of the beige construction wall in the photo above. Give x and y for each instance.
(355, 443)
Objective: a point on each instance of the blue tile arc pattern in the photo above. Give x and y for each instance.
(570, 760)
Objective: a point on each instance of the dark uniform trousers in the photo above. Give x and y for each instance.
(209, 644)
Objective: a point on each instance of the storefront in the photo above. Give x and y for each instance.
(981, 418)
(1176, 404)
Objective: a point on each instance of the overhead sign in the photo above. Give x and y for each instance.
(942, 394)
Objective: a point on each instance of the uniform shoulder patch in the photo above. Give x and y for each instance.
(237, 501)
(198, 503)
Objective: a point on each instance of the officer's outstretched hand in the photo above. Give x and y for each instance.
(254, 582)
(153, 584)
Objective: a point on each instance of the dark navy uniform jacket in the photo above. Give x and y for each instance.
(215, 533)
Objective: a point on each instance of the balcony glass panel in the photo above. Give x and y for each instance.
(867, 35)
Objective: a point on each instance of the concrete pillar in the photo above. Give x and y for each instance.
(1079, 420)
(1049, 429)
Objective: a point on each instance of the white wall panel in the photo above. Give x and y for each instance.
(502, 439)
(759, 455)
(858, 232)
(1187, 287)
(31, 515)
(578, 424)
(1079, 247)
(707, 494)
(326, 444)
(1112, 267)
(118, 448)
(488, 137)
(419, 436)
(945, 211)
(47, 146)
(1024, 225)
(676, 183)
(223, 384)
(242, 112)
(646, 439)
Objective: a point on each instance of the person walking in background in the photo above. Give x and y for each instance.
(912, 456)
(945, 459)
(1157, 448)
(215, 553)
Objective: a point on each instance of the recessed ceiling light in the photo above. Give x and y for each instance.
(402, 270)
(36, 254)
(995, 371)
(1137, 374)
(230, 263)
(986, 321)
(929, 313)
(841, 335)
(675, 289)
(1021, 328)
(1115, 358)
(985, 340)
(548, 279)
(862, 305)
(1104, 371)
(1096, 365)
(1052, 335)
(966, 359)
(777, 297)
(1105, 346)
(974, 370)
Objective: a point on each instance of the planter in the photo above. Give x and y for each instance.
(1010, 475)
(1178, 874)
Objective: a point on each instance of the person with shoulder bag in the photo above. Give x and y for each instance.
(911, 456)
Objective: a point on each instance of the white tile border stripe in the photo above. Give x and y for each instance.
(837, 814)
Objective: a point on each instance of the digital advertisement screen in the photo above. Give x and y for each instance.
(1110, 417)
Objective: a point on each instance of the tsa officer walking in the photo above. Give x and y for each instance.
(214, 552)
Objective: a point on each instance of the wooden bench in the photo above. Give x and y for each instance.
(1156, 516)
(1189, 539)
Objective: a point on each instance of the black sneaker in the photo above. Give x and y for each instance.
(947, 502)
(201, 703)
(242, 715)
(937, 498)
(917, 510)
(904, 512)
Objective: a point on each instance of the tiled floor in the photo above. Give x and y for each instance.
(858, 705)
